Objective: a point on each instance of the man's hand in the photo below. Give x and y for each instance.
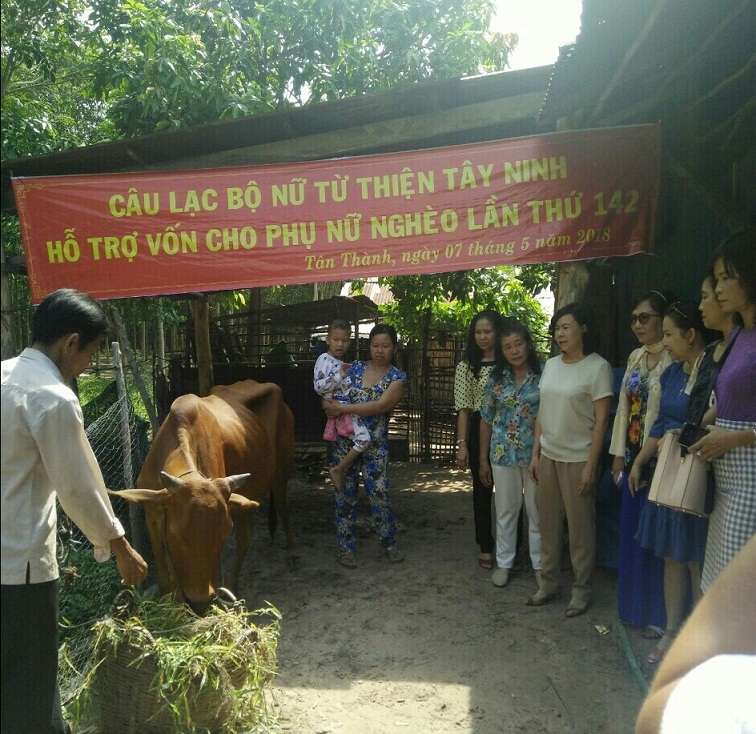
(131, 565)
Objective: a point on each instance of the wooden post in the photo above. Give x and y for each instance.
(7, 348)
(138, 381)
(201, 313)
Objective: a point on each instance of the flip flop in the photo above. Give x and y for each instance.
(486, 563)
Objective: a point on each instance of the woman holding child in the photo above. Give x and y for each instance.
(377, 386)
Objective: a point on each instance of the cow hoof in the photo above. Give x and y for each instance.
(292, 562)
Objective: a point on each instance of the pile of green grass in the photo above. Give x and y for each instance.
(158, 664)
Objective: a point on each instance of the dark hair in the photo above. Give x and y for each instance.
(660, 300)
(340, 324)
(686, 315)
(584, 316)
(738, 255)
(383, 329)
(513, 326)
(68, 311)
(737, 319)
(473, 353)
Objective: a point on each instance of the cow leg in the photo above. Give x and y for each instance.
(241, 524)
(281, 502)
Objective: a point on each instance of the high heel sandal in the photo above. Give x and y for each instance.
(659, 650)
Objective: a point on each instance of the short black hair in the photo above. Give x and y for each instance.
(584, 316)
(686, 315)
(68, 311)
(511, 327)
(738, 255)
(660, 300)
(340, 324)
(384, 329)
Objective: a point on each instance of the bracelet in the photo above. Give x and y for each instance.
(461, 440)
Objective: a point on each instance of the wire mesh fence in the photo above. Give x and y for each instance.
(119, 439)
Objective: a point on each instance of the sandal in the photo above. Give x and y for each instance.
(394, 555)
(651, 633)
(347, 559)
(485, 561)
(659, 650)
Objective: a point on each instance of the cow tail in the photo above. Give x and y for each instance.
(272, 516)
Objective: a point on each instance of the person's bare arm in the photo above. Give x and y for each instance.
(385, 404)
(131, 565)
(533, 468)
(648, 450)
(485, 444)
(723, 623)
(601, 412)
(463, 454)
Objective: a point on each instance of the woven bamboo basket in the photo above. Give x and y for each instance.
(128, 700)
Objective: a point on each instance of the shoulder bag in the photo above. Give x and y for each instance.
(682, 481)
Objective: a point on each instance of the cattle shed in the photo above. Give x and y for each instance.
(686, 64)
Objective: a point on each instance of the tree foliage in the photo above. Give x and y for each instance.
(183, 63)
(76, 73)
(450, 300)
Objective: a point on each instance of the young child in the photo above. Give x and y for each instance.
(330, 381)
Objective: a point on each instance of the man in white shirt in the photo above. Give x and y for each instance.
(45, 452)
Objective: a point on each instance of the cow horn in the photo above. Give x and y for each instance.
(169, 481)
(224, 598)
(237, 480)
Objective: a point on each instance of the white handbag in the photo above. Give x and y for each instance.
(680, 479)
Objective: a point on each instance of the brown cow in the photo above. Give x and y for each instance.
(211, 461)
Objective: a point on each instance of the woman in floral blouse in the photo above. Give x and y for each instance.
(469, 380)
(507, 430)
(640, 596)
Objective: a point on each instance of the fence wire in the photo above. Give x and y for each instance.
(88, 588)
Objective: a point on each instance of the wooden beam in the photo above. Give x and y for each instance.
(650, 22)
(734, 219)
(201, 314)
(363, 138)
(664, 89)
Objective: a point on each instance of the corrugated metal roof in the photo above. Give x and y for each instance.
(426, 115)
(686, 63)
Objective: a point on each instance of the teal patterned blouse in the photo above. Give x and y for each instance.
(512, 412)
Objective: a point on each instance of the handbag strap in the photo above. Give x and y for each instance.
(715, 373)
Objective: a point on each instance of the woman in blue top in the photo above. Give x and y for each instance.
(377, 388)
(507, 431)
(677, 537)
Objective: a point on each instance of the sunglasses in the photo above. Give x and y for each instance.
(642, 318)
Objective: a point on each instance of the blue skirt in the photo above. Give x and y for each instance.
(670, 533)
(640, 586)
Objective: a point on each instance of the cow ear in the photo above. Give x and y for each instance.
(237, 503)
(237, 480)
(141, 496)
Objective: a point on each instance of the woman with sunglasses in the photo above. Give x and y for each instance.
(677, 537)
(731, 443)
(640, 586)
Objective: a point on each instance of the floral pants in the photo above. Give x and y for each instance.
(372, 465)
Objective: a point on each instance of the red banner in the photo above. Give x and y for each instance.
(564, 196)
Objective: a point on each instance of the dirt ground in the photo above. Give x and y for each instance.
(429, 645)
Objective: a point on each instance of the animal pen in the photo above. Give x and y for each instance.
(281, 345)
